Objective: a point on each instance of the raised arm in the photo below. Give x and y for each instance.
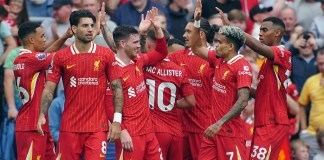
(118, 99)
(196, 44)
(240, 104)
(105, 30)
(251, 42)
(47, 98)
(59, 42)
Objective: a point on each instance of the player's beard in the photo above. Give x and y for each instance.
(84, 39)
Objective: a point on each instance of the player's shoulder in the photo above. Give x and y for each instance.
(281, 50)
(103, 50)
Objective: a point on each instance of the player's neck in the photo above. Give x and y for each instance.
(82, 47)
(30, 47)
(123, 57)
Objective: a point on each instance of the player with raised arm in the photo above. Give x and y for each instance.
(225, 137)
(85, 68)
(138, 140)
(167, 83)
(271, 108)
(195, 120)
(30, 72)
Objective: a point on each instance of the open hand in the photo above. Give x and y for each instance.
(126, 141)
(223, 17)
(198, 10)
(41, 121)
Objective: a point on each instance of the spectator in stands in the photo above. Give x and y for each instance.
(77, 5)
(313, 92)
(226, 5)
(215, 20)
(39, 8)
(11, 109)
(320, 141)
(237, 18)
(304, 63)
(299, 150)
(178, 12)
(94, 6)
(130, 12)
(55, 27)
(306, 11)
(288, 16)
(317, 27)
(5, 38)
(55, 114)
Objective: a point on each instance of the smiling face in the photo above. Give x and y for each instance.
(84, 30)
(132, 46)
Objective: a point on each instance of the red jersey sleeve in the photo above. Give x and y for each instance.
(244, 75)
(212, 58)
(113, 69)
(186, 87)
(160, 52)
(282, 57)
(55, 72)
(43, 60)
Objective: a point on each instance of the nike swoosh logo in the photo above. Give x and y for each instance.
(70, 66)
(102, 155)
(182, 64)
(125, 78)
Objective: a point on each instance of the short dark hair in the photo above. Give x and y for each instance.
(208, 29)
(3, 11)
(175, 41)
(27, 28)
(236, 14)
(277, 22)
(123, 32)
(151, 35)
(77, 15)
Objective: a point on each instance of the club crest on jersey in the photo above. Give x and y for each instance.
(225, 74)
(201, 68)
(96, 65)
(41, 56)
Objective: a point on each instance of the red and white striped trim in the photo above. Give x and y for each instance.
(92, 49)
(234, 59)
(121, 63)
(23, 51)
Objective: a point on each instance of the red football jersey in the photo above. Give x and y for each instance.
(85, 77)
(167, 82)
(270, 96)
(196, 119)
(293, 92)
(30, 75)
(228, 78)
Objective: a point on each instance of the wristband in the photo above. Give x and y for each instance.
(197, 24)
(117, 117)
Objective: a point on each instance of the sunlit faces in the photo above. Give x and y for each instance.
(91, 5)
(188, 34)
(222, 46)
(38, 39)
(84, 31)
(320, 61)
(301, 153)
(289, 18)
(132, 45)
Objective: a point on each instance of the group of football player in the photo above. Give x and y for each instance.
(156, 105)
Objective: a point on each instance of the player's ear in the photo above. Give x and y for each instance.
(202, 34)
(277, 32)
(31, 40)
(73, 28)
(122, 43)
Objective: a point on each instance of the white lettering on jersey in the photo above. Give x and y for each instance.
(131, 92)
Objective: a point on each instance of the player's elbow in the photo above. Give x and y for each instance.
(191, 101)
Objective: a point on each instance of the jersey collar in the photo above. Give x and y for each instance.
(121, 63)
(234, 59)
(23, 51)
(92, 49)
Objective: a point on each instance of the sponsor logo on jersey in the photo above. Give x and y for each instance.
(131, 92)
(41, 56)
(72, 81)
(70, 66)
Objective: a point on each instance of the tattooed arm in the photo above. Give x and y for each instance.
(47, 97)
(118, 98)
(240, 104)
(108, 36)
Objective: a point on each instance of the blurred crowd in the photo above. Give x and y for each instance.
(304, 37)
